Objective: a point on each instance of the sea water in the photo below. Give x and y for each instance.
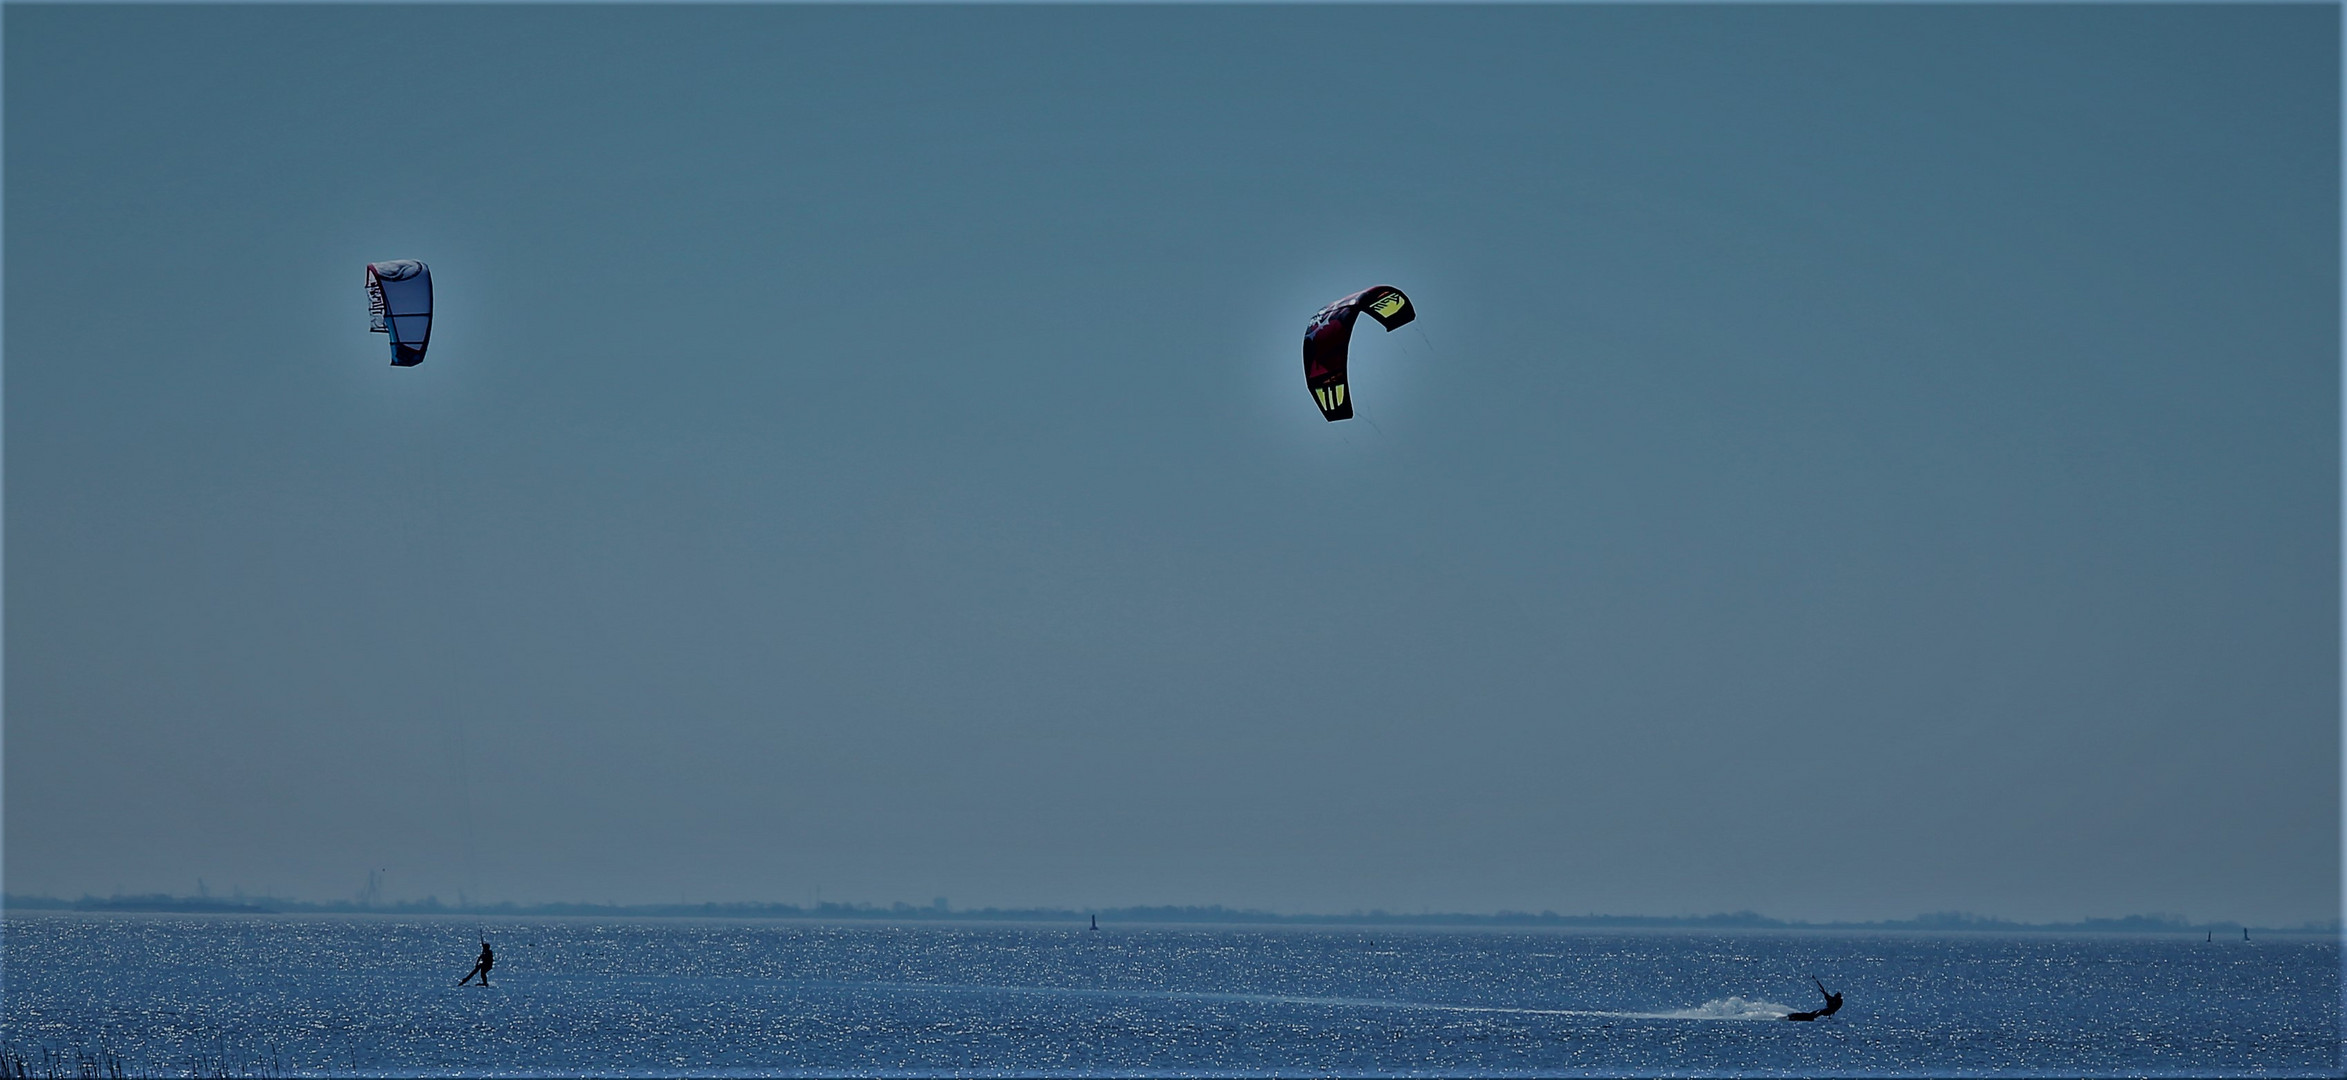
(320, 995)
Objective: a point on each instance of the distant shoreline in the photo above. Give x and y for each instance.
(1207, 915)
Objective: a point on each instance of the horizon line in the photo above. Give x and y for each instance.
(938, 911)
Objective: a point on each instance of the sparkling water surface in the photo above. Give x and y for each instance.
(341, 995)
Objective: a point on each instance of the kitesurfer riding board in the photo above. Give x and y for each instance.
(1833, 1004)
(481, 966)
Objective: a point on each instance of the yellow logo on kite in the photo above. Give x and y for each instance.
(1388, 304)
(1329, 397)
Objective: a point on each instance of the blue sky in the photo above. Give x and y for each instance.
(1851, 460)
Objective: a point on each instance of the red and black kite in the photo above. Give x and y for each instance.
(1325, 342)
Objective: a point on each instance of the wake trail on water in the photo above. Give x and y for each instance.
(1727, 1008)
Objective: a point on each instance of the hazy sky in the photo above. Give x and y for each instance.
(1851, 461)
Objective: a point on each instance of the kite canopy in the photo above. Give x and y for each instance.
(399, 303)
(1331, 332)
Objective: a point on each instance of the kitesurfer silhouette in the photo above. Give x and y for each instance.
(481, 966)
(1833, 1004)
